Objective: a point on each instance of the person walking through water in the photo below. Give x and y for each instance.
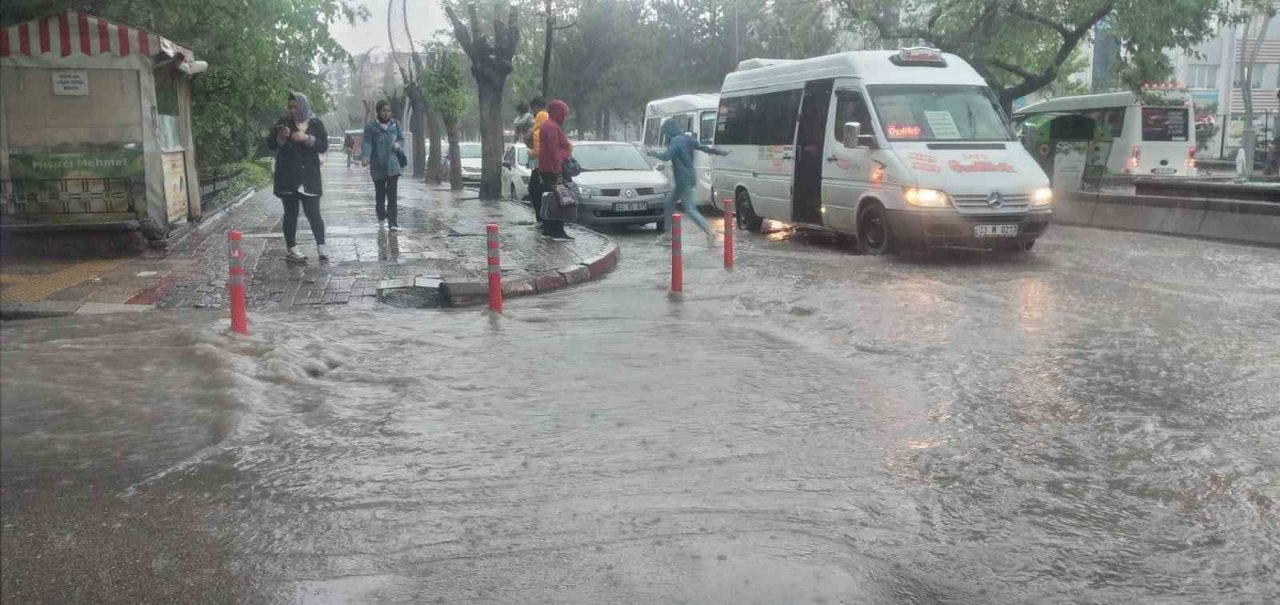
(554, 148)
(538, 107)
(380, 151)
(298, 139)
(679, 151)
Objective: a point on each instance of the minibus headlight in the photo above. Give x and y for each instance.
(1042, 197)
(587, 191)
(927, 198)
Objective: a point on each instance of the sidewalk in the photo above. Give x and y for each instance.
(442, 245)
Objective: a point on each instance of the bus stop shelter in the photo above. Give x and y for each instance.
(95, 126)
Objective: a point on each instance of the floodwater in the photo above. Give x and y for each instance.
(1096, 422)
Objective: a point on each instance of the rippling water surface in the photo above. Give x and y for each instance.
(1086, 425)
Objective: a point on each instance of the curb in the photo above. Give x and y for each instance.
(208, 220)
(49, 308)
(464, 293)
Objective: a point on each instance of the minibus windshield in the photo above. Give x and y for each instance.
(939, 113)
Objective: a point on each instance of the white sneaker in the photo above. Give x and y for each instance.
(395, 227)
(292, 256)
(322, 251)
(711, 239)
(664, 239)
(382, 223)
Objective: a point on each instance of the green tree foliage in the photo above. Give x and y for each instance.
(1022, 46)
(258, 51)
(445, 92)
(610, 57)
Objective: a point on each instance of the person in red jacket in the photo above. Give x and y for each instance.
(554, 148)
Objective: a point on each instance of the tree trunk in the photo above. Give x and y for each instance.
(417, 124)
(492, 143)
(433, 158)
(546, 51)
(455, 154)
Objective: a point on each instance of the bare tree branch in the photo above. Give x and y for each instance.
(1013, 69)
(1017, 10)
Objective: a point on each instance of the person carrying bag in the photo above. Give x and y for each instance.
(560, 202)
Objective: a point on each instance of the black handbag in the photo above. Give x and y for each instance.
(404, 161)
(571, 168)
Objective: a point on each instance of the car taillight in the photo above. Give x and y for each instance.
(1191, 158)
(1134, 157)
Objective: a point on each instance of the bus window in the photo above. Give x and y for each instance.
(1110, 122)
(1164, 124)
(850, 107)
(653, 132)
(707, 127)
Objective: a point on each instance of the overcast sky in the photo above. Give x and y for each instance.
(425, 18)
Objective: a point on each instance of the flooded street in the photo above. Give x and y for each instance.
(1095, 422)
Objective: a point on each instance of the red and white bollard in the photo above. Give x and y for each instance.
(495, 269)
(235, 283)
(729, 219)
(677, 255)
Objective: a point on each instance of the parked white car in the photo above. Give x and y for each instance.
(618, 186)
(516, 171)
(469, 156)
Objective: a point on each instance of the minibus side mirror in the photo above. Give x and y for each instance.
(852, 132)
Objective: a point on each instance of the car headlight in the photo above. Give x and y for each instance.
(587, 191)
(1042, 197)
(927, 198)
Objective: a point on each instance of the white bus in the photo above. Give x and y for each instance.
(905, 149)
(696, 114)
(1132, 138)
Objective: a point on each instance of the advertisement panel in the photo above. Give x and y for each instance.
(84, 162)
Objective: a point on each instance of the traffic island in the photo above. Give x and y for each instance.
(438, 258)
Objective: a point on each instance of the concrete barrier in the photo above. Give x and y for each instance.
(1240, 221)
(1256, 222)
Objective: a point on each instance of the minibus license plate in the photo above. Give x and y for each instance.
(995, 231)
(1164, 171)
(630, 206)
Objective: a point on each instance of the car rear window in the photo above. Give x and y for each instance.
(1165, 123)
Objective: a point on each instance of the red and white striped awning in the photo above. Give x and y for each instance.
(75, 33)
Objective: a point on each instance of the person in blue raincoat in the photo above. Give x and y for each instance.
(679, 152)
(380, 151)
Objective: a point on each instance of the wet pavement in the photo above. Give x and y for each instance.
(1095, 422)
(443, 238)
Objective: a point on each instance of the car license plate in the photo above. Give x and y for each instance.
(1164, 171)
(630, 206)
(995, 231)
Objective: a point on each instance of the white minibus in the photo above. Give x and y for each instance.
(1133, 137)
(904, 149)
(696, 114)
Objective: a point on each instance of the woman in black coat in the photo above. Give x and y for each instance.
(298, 139)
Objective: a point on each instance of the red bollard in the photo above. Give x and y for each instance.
(677, 255)
(495, 269)
(235, 283)
(728, 232)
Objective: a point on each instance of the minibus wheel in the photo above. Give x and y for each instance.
(875, 238)
(747, 217)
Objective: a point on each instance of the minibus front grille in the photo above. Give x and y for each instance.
(983, 202)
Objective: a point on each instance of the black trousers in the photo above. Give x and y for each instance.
(311, 206)
(535, 194)
(385, 196)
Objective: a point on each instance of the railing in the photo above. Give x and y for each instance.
(40, 200)
(214, 184)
